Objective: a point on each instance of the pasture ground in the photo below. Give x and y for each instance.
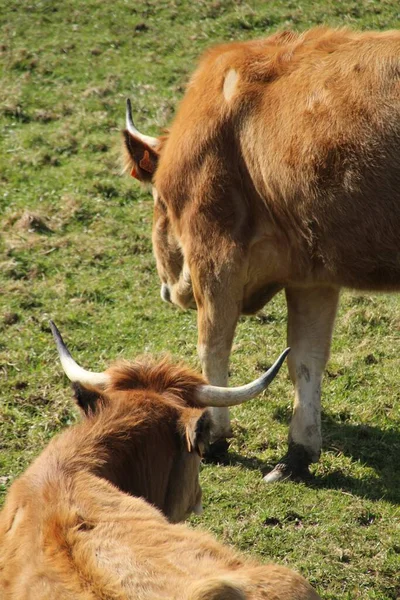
(75, 246)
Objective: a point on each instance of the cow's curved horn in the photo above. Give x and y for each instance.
(72, 370)
(147, 139)
(209, 395)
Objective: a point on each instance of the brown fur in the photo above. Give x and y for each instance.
(307, 138)
(75, 527)
(311, 162)
(292, 181)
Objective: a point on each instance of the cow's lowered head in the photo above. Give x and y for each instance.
(141, 159)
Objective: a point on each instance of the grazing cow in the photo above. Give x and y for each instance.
(76, 525)
(281, 170)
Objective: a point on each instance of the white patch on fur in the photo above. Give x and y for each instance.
(230, 84)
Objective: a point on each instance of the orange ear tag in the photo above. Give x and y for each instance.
(134, 173)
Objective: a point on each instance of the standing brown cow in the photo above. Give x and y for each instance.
(280, 170)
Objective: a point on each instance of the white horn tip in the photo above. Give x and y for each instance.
(73, 371)
(61, 347)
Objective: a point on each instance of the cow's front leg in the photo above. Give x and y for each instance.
(217, 318)
(311, 315)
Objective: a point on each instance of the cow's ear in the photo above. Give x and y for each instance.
(140, 159)
(89, 399)
(197, 431)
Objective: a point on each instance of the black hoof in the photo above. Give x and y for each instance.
(217, 453)
(294, 466)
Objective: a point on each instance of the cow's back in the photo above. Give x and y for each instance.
(330, 147)
(34, 557)
(93, 542)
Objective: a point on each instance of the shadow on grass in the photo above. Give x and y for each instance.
(221, 454)
(248, 462)
(376, 448)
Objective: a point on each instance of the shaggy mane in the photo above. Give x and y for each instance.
(156, 376)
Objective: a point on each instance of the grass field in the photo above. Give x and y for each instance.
(75, 246)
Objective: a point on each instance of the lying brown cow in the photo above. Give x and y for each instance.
(280, 170)
(74, 525)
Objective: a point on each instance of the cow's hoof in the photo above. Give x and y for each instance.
(217, 452)
(294, 466)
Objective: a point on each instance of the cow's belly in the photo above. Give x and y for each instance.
(365, 256)
(371, 266)
(257, 298)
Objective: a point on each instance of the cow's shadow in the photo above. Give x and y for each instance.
(378, 449)
(373, 447)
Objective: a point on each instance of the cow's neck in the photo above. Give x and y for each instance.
(133, 455)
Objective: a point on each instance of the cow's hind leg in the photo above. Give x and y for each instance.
(311, 315)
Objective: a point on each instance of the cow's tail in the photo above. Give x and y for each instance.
(218, 588)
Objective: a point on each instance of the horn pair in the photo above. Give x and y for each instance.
(206, 395)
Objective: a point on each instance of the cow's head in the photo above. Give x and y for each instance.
(141, 160)
(150, 425)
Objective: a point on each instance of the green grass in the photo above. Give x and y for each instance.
(75, 246)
